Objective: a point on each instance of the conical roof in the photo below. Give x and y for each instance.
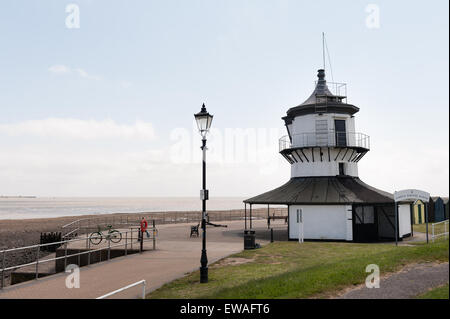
(320, 90)
(322, 100)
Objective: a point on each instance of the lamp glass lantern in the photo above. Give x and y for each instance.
(203, 119)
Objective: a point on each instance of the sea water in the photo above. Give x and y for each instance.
(45, 207)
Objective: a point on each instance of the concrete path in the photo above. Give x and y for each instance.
(176, 255)
(411, 281)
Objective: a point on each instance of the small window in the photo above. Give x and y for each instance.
(341, 169)
(364, 215)
(298, 216)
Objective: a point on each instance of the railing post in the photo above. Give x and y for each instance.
(65, 255)
(131, 239)
(445, 229)
(89, 253)
(126, 242)
(154, 235)
(432, 232)
(143, 289)
(37, 261)
(109, 248)
(3, 268)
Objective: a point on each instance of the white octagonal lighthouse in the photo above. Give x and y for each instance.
(326, 199)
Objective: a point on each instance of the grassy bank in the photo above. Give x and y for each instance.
(291, 270)
(436, 293)
(422, 228)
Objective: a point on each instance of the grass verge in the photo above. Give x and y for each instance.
(291, 270)
(436, 293)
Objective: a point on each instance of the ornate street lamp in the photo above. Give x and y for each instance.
(204, 120)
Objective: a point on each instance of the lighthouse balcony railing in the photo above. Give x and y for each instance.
(325, 139)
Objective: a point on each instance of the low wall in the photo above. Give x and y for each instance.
(18, 277)
(87, 259)
(29, 273)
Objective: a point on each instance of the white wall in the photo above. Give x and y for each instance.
(328, 222)
(324, 168)
(307, 124)
(404, 219)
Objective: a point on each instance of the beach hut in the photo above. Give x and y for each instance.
(418, 212)
(439, 213)
(326, 200)
(445, 200)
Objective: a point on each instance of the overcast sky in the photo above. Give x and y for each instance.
(106, 109)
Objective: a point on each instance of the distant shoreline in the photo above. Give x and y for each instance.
(17, 196)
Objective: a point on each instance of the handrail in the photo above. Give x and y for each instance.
(71, 223)
(183, 217)
(442, 222)
(66, 242)
(328, 138)
(141, 282)
(445, 233)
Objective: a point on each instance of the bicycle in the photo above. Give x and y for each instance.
(113, 235)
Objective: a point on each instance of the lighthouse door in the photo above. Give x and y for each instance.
(364, 224)
(340, 130)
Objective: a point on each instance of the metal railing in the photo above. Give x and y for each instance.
(128, 241)
(439, 229)
(325, 139)
(141, 282)
(94, 222)
(337, 89)
(87, 225)
(160, 218)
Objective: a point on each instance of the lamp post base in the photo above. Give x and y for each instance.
(203, 275)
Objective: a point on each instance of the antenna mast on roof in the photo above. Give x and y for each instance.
(325, 47)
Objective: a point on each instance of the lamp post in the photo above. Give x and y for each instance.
(203, 119)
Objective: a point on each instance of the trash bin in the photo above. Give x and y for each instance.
(249, 239)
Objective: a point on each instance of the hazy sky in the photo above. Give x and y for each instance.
(106, 109)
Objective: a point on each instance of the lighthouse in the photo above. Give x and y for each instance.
(325, 197)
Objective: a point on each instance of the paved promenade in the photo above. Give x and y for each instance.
(176, 255)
